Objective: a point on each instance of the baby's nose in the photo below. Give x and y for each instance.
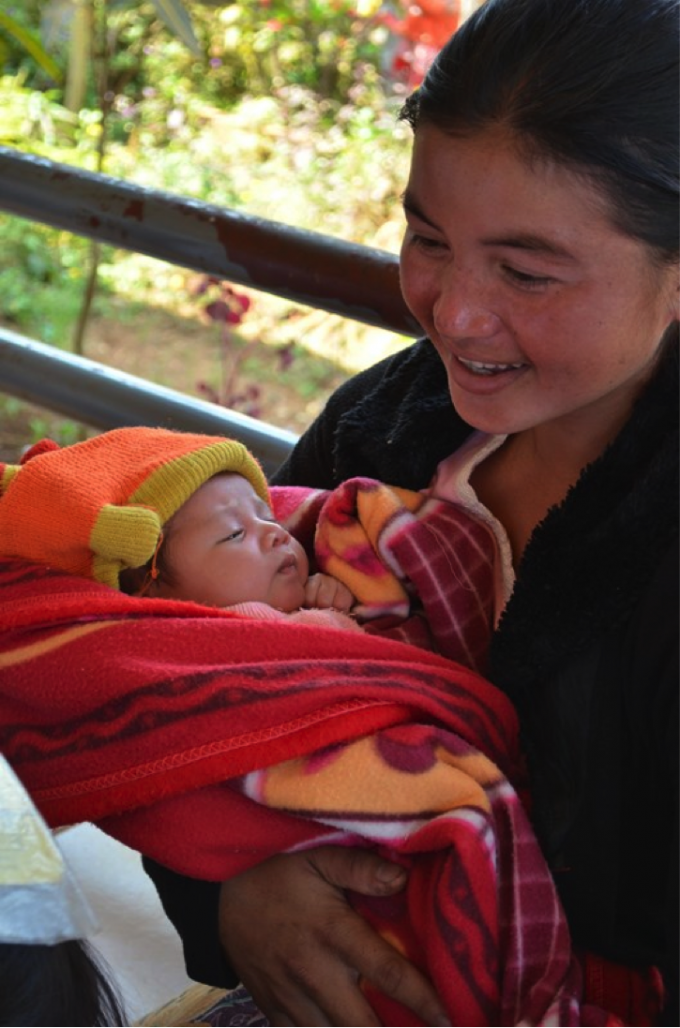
(275, 534)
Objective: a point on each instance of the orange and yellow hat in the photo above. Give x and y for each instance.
(99, 506)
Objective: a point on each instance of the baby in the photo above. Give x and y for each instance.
(163, 514)
(224, 548)
(179, 516)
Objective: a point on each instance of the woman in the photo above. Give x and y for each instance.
(540, 257)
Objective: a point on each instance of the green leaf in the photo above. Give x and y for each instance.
(177, 19)
(31, 45)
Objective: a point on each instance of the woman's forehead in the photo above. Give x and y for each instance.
(488, 174)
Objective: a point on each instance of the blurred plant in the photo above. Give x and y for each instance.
(258, 46)
(41, 278)
(29, 424)
(64, 431)
(34, 120)
(15, 31)
(227, 308)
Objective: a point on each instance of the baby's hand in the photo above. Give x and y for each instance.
(324, 591)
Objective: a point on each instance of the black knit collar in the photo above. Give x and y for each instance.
(587, 563)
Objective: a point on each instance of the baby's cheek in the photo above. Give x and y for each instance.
(303, 564)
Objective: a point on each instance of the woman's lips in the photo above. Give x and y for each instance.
(483, 378)
(489, 367)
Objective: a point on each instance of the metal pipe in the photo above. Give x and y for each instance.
(103, 398)
(353, 281)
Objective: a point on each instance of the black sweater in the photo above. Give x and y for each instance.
(586, 649)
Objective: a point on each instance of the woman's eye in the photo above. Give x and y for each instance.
(425, 242)
(526, 280)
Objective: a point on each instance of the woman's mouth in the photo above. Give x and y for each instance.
(487, 368)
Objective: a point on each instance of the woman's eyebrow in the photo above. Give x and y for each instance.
(532, 243)
(410, 204)
(527, 241)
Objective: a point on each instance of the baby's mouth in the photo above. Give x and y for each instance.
(289, 564)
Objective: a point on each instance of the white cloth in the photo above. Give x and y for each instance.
(452, 482)
(40, 901)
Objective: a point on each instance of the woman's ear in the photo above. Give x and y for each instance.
(674, 291)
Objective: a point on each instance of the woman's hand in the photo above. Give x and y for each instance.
(300, 949)
(326, 592)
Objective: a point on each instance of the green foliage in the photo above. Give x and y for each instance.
(285, 116)
(32, 119)
(259, 46)
(29, 424)
(218, 51)
(27, 41)
(41, 275)
(62, 431)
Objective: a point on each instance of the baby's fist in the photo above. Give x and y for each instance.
(324, 591)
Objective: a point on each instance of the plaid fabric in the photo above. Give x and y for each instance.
(422, 569)
(448, 558)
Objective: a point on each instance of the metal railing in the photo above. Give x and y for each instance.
(104, 398)
(356, 282)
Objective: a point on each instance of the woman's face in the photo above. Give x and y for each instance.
(543, 312)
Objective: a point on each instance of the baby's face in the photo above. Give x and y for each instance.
(225, 547)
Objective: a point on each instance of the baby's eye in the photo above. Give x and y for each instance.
(238, 533)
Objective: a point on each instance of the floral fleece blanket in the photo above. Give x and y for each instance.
(210, 741)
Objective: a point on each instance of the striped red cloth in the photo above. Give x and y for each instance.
(209, 741)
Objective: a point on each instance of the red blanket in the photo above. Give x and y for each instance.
(209, 741)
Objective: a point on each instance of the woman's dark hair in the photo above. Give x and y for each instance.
(591, 84)
(61, 984)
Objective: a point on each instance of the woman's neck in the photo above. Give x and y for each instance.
(528, 475)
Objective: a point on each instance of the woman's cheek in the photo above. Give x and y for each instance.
(417, 286)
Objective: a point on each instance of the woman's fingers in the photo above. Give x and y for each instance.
(363, 950)
(358, 870)
(302, 951)
(277, 923)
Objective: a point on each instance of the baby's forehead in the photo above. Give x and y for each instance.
(223, 494)
(232, 486)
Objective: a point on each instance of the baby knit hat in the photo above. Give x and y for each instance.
(99, 506)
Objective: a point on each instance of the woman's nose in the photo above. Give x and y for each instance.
(462, 308)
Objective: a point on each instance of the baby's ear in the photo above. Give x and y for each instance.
(134, 581)
(149, 587)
